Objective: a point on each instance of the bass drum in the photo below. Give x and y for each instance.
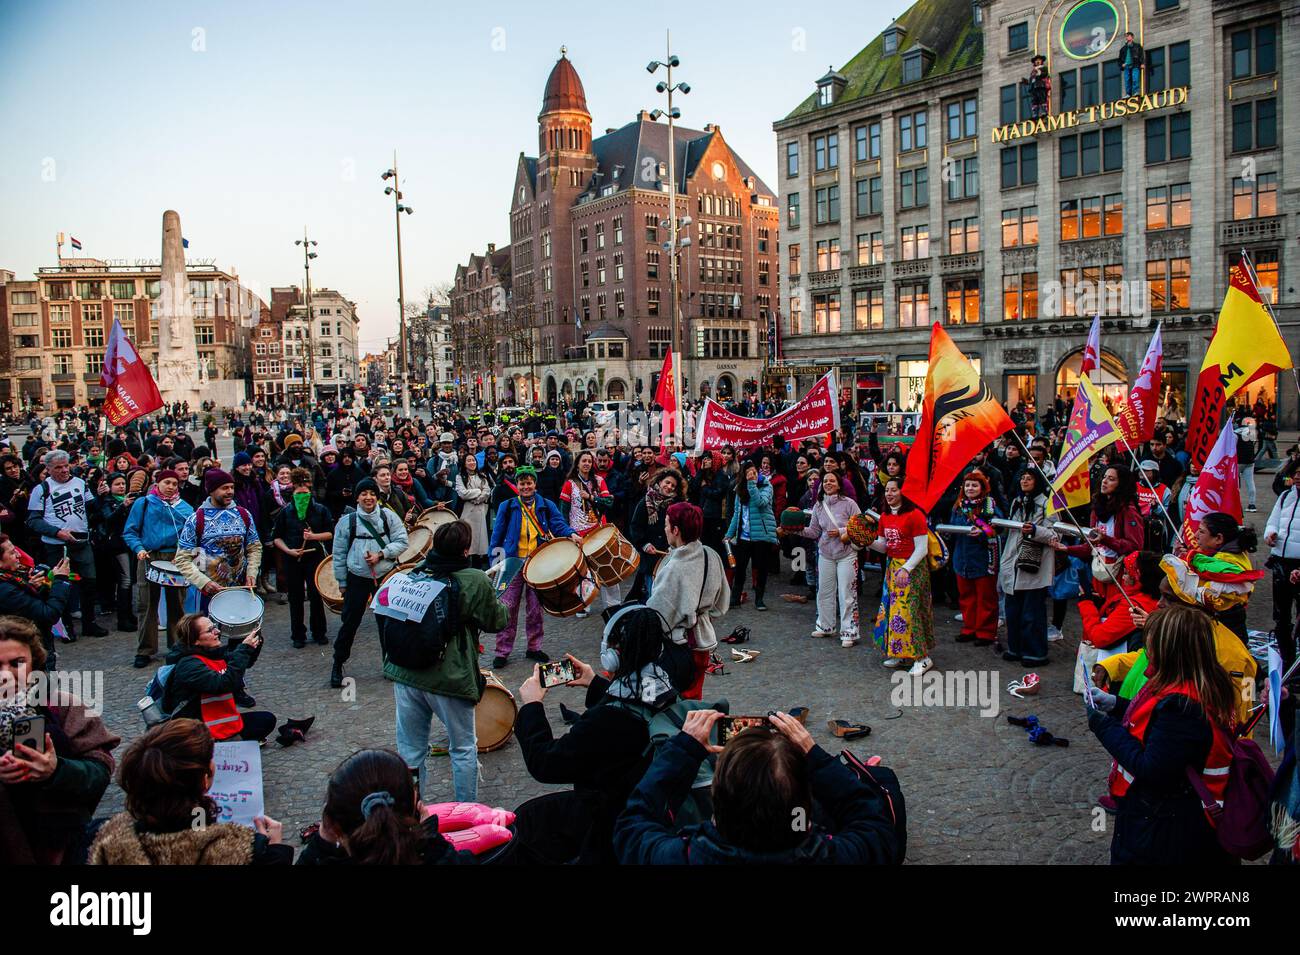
(558, 572)
(328, 585)
(494, 717)
(610, 556)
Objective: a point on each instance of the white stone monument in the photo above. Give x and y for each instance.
(180, 377)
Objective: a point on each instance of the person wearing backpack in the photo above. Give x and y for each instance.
(1184, 718)
(451, 687)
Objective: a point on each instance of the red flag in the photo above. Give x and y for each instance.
(666, 398)
(131, 389)
(817, 413)
(1217, 486)
(1091, 351)
(1136, 416)
(959, 417)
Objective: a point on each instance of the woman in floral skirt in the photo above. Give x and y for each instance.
(905, 623)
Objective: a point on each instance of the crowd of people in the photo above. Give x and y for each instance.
(143, 524)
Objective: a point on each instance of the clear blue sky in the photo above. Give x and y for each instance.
(253, 119)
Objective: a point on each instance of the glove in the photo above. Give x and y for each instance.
(1102, 700)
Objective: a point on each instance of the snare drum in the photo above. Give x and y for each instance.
(419, 542)
(165, 574)
(435, 517)
(328, 585)
(558, 572)
(236, 612)
(494, 716)
(610, 556)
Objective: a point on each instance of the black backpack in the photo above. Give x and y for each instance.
(421, 644)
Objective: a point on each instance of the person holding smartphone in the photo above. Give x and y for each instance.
(208, 678)
(57, 511)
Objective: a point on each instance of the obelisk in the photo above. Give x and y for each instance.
(179, 376)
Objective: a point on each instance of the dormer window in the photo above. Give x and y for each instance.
(824, 94)
(829, 87)
(893, 36)
(916, 63)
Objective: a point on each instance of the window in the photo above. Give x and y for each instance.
(59, 290)
(1019, 165)
(546, 245)
(868, 197)
(826, 313)
(1265, 263)
(911, 131)
(828, 204)
(90, 289)
(868, 308)
(204, 335)
(1180, 64)
(914, 305)
(122, 289)
(1254, 52)
(600, 270)
(1255, 198)
(961, 119)
(651, 227)
(912, 66)
(828, 254)
(866, 142)
(792, 210)
(795, 267)
(915, 242)
(62, 364)
(61, 337)
(94, 363)
(723, 343)
(963, 177)
(546, 278)
(1254, 125)
(92, 337)
(600, 235)
(914, 188)
(1170, 137)
(962, 301)
(963, 235)
(1092, 217)
(1019, 227)
(1019, 296)
(23, 298)
(796, 314)
(1018, 37)
(618, 266)
(1166, 5)
(618, 230)
(1111, 86)
(871, 248)
(25, 320)
(1008, 104)
(1169, 284)
(792, 159)
(652, 302)
(1087, 154)
(826, 151)
(825, 95)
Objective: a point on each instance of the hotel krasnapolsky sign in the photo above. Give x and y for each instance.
(1088, 115)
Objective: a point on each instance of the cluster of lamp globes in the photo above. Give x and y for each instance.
(389, 190)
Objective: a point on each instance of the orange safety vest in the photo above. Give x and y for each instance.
(218, 709)
(1137, 719)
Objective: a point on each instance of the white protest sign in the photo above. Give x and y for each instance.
(237, 783)
(406, 598)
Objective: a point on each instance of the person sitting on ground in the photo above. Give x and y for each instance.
(1110, 625)
(208, 679)
(39, 596)
(766, 780)
(170, 819)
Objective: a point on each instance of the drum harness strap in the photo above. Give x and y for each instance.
(531, 516)
(376, 535)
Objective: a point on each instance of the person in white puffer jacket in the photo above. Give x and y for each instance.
(1282, 535)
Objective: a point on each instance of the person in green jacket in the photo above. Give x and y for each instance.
(452, 688)
(752, 532)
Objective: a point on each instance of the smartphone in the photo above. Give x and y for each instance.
(729, 726)
(556, 673)
(1088, 701)
(30, 732)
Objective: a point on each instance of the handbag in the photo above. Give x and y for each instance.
(1103, 570)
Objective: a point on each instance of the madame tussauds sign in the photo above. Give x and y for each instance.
(1087, 115)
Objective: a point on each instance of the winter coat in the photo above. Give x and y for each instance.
(1011, 578)
(350, 551)
(687, 594)
(1284, 521)
(154, 525)
(861, 830)
(762, 521)
(708, 491)
(826, 530)
(120, 841)
(191, 678)
(970, 555)
(475, 493)
(505, 530)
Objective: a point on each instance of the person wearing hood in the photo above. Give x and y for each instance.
(765, 777)
(191, 479)
(151, 532)
(340, 482)
(550, 481)
(604, 752)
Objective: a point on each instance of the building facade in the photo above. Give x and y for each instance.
(58, 325)
(919, 184)
(589, 311)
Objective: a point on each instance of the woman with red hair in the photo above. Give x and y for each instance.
(976, 559)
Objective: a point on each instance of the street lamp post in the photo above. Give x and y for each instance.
(672, 246)
(307, 256)
(395, 190)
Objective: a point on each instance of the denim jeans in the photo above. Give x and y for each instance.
(1027, 624)
(415, 711)
(1132, 80)
(1246, 479)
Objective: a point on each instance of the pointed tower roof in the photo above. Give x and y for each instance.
(563, 88)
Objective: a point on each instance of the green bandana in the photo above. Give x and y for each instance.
(301, 500)
(526, 471)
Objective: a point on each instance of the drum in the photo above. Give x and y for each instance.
(420, 541)
(435, 517)
(328, 585)
(237, 612)
(165, 574)
(610, 556)
(558, 572)
(494, 717)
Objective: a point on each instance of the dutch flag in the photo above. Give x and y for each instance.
(76, 243)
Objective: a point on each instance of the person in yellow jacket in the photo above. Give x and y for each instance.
(1129, 670)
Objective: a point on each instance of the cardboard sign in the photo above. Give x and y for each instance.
(406, 598)
(237, 783)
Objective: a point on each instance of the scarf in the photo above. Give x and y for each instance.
(651, 686)
(404, 485)
(156, 492)
(978, 513)
(654, 500)
(301, 501)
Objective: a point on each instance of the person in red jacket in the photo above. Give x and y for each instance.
(1115, 529)
(1109, 626)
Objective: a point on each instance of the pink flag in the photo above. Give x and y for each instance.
(1217, 487)
(1137, 415)
(1092, 350)
(131, 389)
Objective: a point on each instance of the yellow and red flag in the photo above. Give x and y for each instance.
(1091, 428)
(1246, 346)
(959, 417)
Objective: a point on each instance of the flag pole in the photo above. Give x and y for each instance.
(1146, 480)
(1082, 533)
(1268, 306)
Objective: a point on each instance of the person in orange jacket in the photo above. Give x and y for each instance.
(1110, 624)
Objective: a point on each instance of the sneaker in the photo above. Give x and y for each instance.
(1054, 634)
(582, 615)
(893, 663)
(299, 644)
(920, 666)
(538, 656)
(823, 633)
(499, 662)
(958, 618)
(758, 604)
(1250, 508)
(847, 642)
(140, 662)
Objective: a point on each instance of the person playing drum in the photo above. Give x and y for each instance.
(151, 531)
(301, 532)
(218, 547)
(588, 500)
(522, 524)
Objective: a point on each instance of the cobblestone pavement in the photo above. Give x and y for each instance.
(977, 791)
